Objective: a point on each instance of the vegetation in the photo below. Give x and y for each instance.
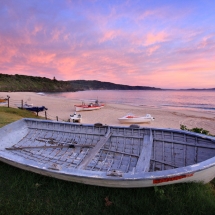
(37, 84)
(98, 85)
(23, 192)
(33, 84)
(196, 130)
(8, 115)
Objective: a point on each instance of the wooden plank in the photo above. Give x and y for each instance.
(56, 146)
(95, 150)
(209, 145)
(143, 162)
(124, 153)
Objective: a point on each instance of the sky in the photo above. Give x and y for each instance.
(157, 43)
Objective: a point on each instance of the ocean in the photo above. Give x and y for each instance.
(201, 100)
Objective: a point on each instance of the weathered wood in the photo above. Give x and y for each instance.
(45, 147)
(185, 143)
(95, 150)
(120, 156)
(143, 162)
(124, 153)
(165, 163)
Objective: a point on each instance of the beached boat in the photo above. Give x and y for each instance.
(89, 105)
(24, 106)
(76, 117)
(110, 156)
(130, 118)
(3, 100)
(41, 94)
(32, 108)
(36, 108)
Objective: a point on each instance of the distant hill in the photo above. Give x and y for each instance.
(200, 89)
(32, 84)
(26, 83)
(23, 83)
(99, 85)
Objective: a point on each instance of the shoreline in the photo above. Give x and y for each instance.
(62, 108)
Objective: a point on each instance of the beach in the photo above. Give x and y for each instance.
(61, 108)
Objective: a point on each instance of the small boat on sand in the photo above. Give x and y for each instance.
(109, 156)
(130, 118)
(76, 117)
(36, 108)
(32, 108)
(89, 105)
(41, 94)
(3, 100)
(24, 106)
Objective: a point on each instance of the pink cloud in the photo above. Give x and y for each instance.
(41, 58)
(109, 35)
(115, 44)
(152, 49)
(152, 38)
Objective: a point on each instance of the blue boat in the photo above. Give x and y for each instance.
(36, 109)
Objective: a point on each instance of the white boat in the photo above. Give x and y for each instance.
(130, 118)
(41, 94)
(24, 106)
(76, 117)
(89, 105)
(110, 156)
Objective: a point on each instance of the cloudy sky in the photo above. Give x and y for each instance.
(159, 43)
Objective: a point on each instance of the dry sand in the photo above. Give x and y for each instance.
(164, 118)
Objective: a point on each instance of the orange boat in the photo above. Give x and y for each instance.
(3, 100)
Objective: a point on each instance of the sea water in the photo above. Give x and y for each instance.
(202, 100)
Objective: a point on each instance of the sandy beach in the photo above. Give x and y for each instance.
(164, 118)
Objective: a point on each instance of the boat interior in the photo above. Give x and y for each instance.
(111, 149)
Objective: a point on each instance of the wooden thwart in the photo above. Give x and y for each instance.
(95, 150)
(145, 156)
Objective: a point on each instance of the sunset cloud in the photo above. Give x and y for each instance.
(126, 42)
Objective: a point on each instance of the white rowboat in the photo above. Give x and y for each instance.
(110, 156)
(76, 117)
(130, 118)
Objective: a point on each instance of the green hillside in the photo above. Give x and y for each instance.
(99, 85)
(36, 84)
(31, 83)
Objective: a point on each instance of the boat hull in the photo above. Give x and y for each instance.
(146, 180)
(86, 108)
(76, 118)
(130, 118)
(134, 120)
(3, 100)
(39, 146)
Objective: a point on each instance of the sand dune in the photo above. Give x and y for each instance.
(164, 118)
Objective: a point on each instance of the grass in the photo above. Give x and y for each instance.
(23, 192)
(8, 115)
